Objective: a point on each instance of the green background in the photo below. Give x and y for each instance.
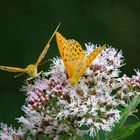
(26, 26)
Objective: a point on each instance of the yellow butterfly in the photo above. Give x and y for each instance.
(31, 69)
(74, 57)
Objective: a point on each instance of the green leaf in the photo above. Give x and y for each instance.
(42, 137)
(68, 137)
(125, 113)
(130, 109)
(124, 132)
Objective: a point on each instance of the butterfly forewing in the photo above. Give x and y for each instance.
(64, 52)
(70, 51)
(76, 50)
(76, 54)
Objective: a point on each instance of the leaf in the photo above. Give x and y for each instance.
(124, 132)
(68, 137)
(125, 113)
(42, 137)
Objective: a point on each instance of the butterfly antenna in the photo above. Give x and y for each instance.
(18, 75)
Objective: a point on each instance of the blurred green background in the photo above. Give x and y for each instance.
(26, 26)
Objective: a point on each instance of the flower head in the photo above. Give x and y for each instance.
(54, 106)
(89, 102)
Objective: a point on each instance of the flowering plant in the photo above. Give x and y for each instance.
(96, 107)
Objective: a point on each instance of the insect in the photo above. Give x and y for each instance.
(74, 58)
(31, 69)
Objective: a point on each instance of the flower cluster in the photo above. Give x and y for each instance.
(9, 133)
(54, 106)
(39, 122)
(134, 81)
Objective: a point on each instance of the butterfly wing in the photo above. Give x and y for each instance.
(84, 64)
(42, 55)
(71, 52)
(74, 57)
(89, 59)
(76, 52)
(13, 69)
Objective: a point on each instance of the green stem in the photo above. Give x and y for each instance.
(106, 136)
(36, 137)
(97, 136)
(124, 120)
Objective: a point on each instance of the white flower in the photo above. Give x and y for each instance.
(92, 132)
(54, 106)
(57, 67)
(9, 133)
(32, 121)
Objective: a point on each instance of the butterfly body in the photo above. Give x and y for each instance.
(75, 60)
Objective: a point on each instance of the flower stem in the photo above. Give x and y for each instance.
(97, 136)
(124, 120)
(36, 137)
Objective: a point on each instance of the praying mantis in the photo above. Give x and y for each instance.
(31, 69)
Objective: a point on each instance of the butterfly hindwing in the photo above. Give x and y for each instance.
(89, 59)
(91, 56)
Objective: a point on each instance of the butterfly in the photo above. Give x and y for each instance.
(31, 69)
(74, 58)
